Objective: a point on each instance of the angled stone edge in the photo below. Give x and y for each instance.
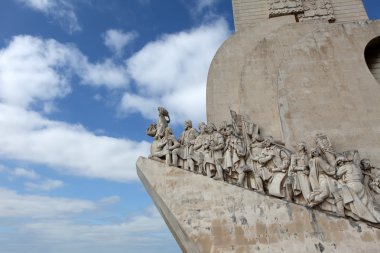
(205, 215)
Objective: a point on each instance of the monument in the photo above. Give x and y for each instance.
(288, 161)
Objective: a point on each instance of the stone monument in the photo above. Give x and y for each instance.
(289, 162)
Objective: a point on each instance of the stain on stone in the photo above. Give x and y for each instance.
(316, 228)
(289, 210)
(321, 247)
(367, 237)
(243, 220)
(233, 217)
(355, 225)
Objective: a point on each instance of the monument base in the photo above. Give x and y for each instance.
(206, 215)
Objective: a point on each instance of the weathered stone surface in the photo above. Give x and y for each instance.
(295, 80)
(206, 215)
(250, 13)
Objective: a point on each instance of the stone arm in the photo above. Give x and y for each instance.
(226, 145)
(175, 145)
(264, 159)
(293, 163)
(220, 144)
(341, 171)
(197, 146)
(285, 161)
(162, 143)
(240, 148)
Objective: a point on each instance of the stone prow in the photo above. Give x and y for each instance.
(205, 215)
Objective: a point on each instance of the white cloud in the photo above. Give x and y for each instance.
(47, 67)
(172, 72)
(136, 229)
(202, 4)
(110, 200)
(61, 11)
(44, 185)
(67, 225)
(21, 172)
(34, 206)
(71, 149)
(37, 60)
(116, 40)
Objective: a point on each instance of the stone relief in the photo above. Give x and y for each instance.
(284, 7)
(303, 9)
(236, 153)
(316, 9)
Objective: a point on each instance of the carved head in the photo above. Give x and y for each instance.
(188, 124)
(202, 127)
(211, 128)
(340, 160)
(268, 142)
(168, 131)
(301, 147)
(315, 152)
(365, 164)
(229, 129)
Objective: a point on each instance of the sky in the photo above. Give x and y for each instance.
(80, 81)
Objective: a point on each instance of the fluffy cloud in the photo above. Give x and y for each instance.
(69, 148)
(116, 40)
(202, 4)
(21, 172)
(172, 72)
(45, 185)
(61, 11)
(66, 225)
(15, 205)
(47, 68)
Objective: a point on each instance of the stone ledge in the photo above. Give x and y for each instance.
(205, 215)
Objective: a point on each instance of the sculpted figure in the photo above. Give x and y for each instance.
(371, 176)
(162, 122)
(234, 155)
(355, 198)
(164, 146)
(323, 186)
(324, 145)
(255, 147)
(208, 159)
(298, 174)
(216, 148)
(198, 156)
(271, 160)
(185, 151)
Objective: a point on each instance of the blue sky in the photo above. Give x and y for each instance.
(79, 83)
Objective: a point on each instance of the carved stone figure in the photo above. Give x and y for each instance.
(197, 155)
(323, 185)
(355, 198)
(324, 145)
(234, 155)
(162, 122)
(164, 146)
(216, 147)
(371, 176)
(273, 162)
(298, 174)
(186, 151)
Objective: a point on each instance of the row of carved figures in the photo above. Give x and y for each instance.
(236, 153)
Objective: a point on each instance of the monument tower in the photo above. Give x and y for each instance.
(289, 159)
